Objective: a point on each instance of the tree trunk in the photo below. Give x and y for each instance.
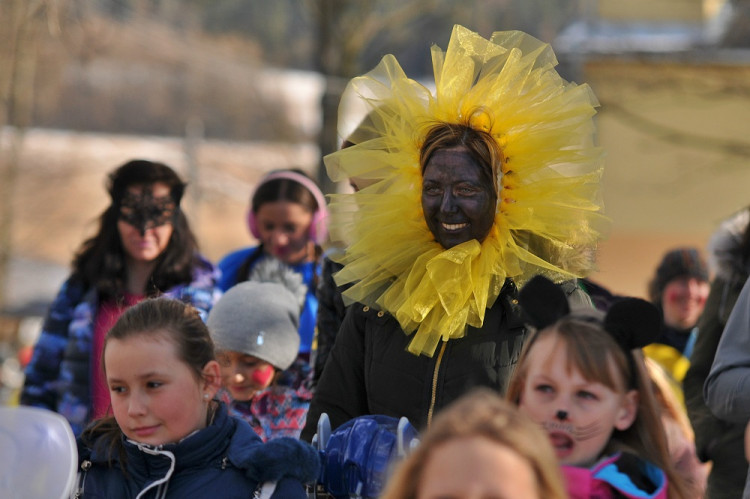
(21, 21)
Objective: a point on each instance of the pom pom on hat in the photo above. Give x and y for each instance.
(259, 319)
(271, 269)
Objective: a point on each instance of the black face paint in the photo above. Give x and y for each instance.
(144, 211)
(562, 415)
(457, 202)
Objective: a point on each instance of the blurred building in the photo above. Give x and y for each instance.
(673, 80)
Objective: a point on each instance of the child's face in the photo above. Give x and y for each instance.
(579, 415)
(463, 468)
(244, 375)
(156, 398)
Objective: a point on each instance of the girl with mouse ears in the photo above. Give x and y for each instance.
(581, 377)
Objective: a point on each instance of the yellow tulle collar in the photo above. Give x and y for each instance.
(548, 217)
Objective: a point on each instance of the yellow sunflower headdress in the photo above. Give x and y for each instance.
(548, 219)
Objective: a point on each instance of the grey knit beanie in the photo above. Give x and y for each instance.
(259, 319)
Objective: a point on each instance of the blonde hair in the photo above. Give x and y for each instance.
(595, 353)
(677, 426)
(483, 413)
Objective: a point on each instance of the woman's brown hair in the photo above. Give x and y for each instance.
(482, 147)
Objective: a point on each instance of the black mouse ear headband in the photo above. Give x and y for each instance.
(632, 322)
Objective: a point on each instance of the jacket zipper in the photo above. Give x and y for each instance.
(434, 383)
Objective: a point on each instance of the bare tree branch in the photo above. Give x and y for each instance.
(24, 21)
(675, 136)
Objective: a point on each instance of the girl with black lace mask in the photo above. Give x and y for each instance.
(143, 248)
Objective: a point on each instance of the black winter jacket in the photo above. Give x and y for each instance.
(331, 312)
(370, 370)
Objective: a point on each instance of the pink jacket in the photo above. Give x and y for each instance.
(625, 473)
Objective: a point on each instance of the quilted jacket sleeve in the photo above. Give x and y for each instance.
(203, 291)
(727, 388)
(42, 372)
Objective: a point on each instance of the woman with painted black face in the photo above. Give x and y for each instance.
(458, 196)
(144, 247)
(469, 195)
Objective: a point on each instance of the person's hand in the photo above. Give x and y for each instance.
(747, 442)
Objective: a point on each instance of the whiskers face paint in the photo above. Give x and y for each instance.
(590, 431)
(555, 426)
(554, 388)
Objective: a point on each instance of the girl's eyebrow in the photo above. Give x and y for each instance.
(546, 377)
(149, 374)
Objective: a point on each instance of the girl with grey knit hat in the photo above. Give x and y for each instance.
(254, 327)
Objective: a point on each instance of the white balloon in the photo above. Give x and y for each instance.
(38, 456)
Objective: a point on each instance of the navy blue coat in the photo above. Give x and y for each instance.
(226, 459)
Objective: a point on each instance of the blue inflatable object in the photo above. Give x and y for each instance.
(358, 455)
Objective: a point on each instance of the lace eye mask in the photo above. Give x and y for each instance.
(144, 211)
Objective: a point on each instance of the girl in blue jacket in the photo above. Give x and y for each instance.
(168, 437)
